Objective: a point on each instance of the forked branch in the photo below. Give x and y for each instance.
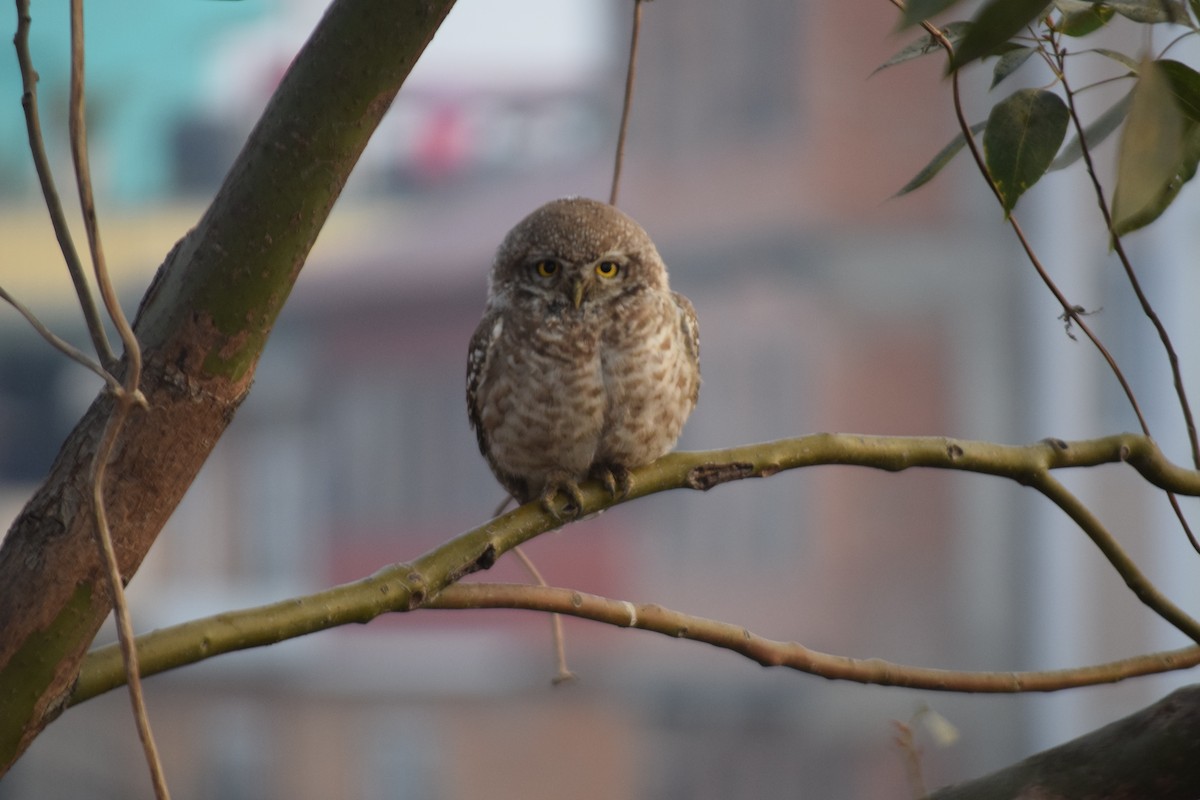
(102, 669)
(58, 218)
(425, 581)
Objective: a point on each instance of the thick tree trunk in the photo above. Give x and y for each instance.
(202, 326)
(1152, 754)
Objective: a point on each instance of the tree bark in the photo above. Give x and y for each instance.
(202, 326)
(1154, 753)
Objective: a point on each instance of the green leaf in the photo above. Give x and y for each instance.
(1079, 18)
(1009, 63)
(1120, 58)
(1191, 154)
(1150, 11)
(1187, 170)
(1195, 6)
(1100, 129)
(926, 44)
(944, 156)
(917, 11)
(1185, 85)
(1152, 156)
(996, 22)
(1023, 133)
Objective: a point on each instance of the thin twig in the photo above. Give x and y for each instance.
(58, 219)
(508, 498)
(1187, 528)
(910, 753)
(1070, 310)
(1101, 82)
(63, 346)
(1119, 249)
(175, 646)
(1175, 41)
(630, 78)
(125, 636)
(83, 177)
(1125, 566)
(562, 673)
(124, 400)
(774, 653)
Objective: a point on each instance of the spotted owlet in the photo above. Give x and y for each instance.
(585, 363)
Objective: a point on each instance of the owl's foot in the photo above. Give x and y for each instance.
(616, 479)
(574, 505)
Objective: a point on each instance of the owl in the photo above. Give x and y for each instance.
(585, 364)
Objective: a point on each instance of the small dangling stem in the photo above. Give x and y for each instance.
(630, 77)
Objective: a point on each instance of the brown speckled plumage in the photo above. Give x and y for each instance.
(579, 372)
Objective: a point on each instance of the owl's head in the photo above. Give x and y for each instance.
(576, 254)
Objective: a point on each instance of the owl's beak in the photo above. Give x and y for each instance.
(578, 288)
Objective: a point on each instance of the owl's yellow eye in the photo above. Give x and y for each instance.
(546, 268)
(608, 269)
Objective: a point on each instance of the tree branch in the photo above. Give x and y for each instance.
(66, 348)
(1151, 753)
(199, 639)
(202, 325)
(772, 653)
(1118, 558)
(403, 587)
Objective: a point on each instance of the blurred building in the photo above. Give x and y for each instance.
(760, 158)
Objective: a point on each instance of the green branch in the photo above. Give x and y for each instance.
(407, 586)
(791, 655)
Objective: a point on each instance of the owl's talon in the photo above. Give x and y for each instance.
(573, 508)
(616, 478)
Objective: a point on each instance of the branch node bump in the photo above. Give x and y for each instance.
(631, 610)
(416, 589)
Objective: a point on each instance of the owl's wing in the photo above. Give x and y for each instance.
(479, 354)
(691, 325)
(691, 336)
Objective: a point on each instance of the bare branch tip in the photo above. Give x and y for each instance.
(563, 678)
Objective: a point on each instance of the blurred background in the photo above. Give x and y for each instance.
(762, 158)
